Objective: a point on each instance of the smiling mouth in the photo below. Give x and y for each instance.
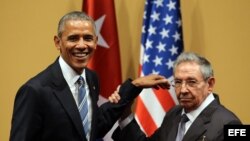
(81, 54)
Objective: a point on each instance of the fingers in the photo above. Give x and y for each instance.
(114, 98)
(118, 88)
(164, 84)
(160, 82)
(152, 80)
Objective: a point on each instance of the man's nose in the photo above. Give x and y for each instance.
(81, 43)
(183, 87)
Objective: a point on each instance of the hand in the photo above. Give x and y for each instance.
(115, 97)
(152, 80)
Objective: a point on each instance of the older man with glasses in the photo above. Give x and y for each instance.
(199, 116)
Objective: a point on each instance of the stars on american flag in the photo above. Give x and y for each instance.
(164, 33)
(161, 37)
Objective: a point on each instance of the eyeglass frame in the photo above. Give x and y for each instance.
(189, 83)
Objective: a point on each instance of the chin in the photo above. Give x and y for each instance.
(79, 68)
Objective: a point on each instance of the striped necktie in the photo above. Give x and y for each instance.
(181, 129)
(83, 104)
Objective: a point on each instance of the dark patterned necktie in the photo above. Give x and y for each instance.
(83, 104)
(181, 129)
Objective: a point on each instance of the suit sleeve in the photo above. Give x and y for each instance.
(26, 121)
(132, 132)
(110, 113)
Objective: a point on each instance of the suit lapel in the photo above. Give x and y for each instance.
(64, 95)
(170, 124)
(199, 126)
(196, 130)
(174, 129)
(93, 91)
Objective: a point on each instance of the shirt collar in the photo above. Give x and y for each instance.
(69, 74)
(195, 113)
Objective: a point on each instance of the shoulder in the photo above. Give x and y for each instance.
(44, 78)
(46, 75)
(225, 115)
(217, 114)
(222, 113)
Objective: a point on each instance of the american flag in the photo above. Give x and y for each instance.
(161, 43)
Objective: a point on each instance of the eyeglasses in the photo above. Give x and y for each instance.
(188, 83)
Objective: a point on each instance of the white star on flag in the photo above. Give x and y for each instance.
(101, 42)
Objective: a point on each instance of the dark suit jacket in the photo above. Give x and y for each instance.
(45, 110)
(208, 125)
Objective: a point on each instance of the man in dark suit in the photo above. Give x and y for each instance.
(204, 116)
(46, 107)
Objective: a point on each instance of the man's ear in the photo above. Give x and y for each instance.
(95, 40)
(57, 42)
(211, 82)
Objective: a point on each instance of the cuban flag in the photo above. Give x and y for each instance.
(106, 60)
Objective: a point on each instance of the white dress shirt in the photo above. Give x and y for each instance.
(71, 78)
(195, 113)
(191, 115)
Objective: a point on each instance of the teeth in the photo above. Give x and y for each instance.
(81, 54)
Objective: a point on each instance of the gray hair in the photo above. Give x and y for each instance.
(75, 15)
(205, 66)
